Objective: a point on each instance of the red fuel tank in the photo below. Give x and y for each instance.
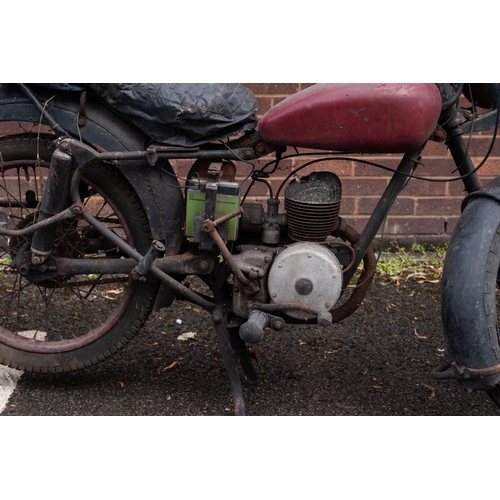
(356, 117)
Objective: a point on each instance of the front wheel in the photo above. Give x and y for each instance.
(469, 298)
(73, 321)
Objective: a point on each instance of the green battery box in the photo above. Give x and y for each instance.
(227, 200)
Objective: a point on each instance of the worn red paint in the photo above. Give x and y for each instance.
(361, 117)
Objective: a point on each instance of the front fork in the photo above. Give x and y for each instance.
(450, 119)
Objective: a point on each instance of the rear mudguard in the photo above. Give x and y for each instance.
(158, 191)
(468, 301)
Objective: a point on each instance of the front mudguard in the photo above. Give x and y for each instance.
(468, 299)
(157, 188)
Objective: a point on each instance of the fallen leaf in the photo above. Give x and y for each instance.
(301, 342)
(419, 336)
(433, 391)
(186, 336)
(171, 365)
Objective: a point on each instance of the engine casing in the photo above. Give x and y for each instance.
(305, 273)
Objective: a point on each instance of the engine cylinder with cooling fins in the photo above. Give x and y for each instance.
(312, 205)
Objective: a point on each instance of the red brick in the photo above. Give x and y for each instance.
(273, 88)
(343, 168)
(361, 187)
(455, 189)
(363, 169)
(357, 222)
(430, 167)
(433, 148)
(264, 104)
(277, 100)
(443, 167)
(424, 188)
(347, 206)
(415, 225)
(490, 168)
(402, 206)
(479, 146)
(406, 226)
(450, 224)
(438, 206)
(485, 180)
(258, 189)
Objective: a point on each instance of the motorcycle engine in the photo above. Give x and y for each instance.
(307, 273)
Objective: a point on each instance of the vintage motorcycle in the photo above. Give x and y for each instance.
(96, 229)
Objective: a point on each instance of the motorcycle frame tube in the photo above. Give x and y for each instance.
(181, 264)
(396, 184)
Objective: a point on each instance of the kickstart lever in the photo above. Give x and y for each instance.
(253, 330)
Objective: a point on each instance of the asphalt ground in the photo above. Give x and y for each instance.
(377, 362)
(365, 417)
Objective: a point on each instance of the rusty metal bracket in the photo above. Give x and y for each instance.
(68, 213)
(451, 370)
(82, 117)
(324, 318)
(211, 191)
(251, 287)
(156, 249)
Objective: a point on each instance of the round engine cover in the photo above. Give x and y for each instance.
(305, 273)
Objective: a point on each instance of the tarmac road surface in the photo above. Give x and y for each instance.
(377, 362)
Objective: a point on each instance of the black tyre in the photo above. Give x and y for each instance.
(470, 293)
(67, 323)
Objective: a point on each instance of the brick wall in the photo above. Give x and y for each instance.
(424, 212)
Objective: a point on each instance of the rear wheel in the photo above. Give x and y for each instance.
(68, 322)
